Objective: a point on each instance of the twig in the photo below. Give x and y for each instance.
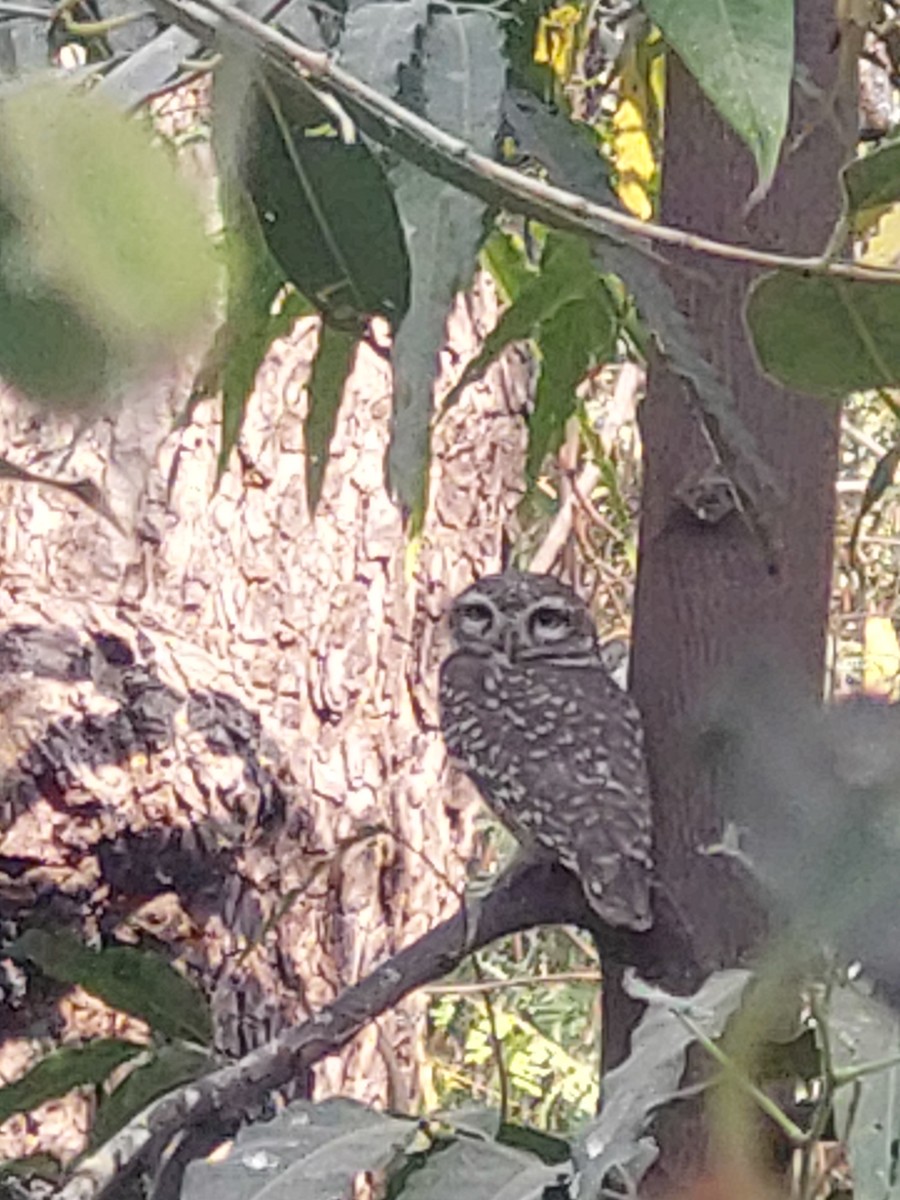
(450, 158)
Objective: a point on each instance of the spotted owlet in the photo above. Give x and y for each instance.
(554, 745)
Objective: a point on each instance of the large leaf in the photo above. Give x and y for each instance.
(379, 38)
(824, 335)
(619, 1139)
(323, 205)
(867, 1114)
(334, 356)
(64, 1069)
(462, 76)
(741, 52)
(103, 253)
(311, 1151)
(133, 981)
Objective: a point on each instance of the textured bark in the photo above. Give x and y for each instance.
(706, 595)
(275, 735)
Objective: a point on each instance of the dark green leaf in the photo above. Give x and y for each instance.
(826, 336)
(462, 79)
(332, 363)
(64, 1069)
(874, 179)
(324, 206)
(133, 981)
(170, 1067)
(741, 52)
(545, 1146)
(34, 1166)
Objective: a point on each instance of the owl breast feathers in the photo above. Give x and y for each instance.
(531, 714)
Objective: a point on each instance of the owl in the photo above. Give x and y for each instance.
(531, 714)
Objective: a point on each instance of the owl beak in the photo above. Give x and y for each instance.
(511, 644)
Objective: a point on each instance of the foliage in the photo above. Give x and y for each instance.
(316, 176)
(124, 1075)
(366, 191)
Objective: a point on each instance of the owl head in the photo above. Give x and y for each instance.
(522, 618)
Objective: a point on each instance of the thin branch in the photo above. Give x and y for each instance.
(450, 158)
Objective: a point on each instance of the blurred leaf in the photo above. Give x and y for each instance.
(103, 254)
(322, 204)
(379, 37)
(462, 79)
(64, 1069)
(334, 358)
(813, 792)
(650, 1076)
(169, 1067)
(742, 56)
(863, 1031)
(133, 981)
(549, 1149)
(826, 336)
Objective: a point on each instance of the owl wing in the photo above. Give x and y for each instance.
(595, 810)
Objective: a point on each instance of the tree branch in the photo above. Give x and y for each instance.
(448, 157)
(531, 892)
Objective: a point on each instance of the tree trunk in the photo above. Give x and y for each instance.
(707, 594)
(296, 767)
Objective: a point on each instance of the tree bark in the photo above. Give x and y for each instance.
(707, 594)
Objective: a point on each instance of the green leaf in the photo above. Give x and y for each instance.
(64, 1069)
(170, 1067)
(566, 274)
(573, 162)
(322, 204)
(133, 981)
(34, 1166)
(505, 258)
(741, 52)
(462, 78)
(582, 332)
(874, 179)
(103, 252)
(334, 357)
(826, 336)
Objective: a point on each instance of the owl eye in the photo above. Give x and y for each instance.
(474, 620)
(549, 623)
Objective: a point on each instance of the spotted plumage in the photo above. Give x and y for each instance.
(554, 745)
